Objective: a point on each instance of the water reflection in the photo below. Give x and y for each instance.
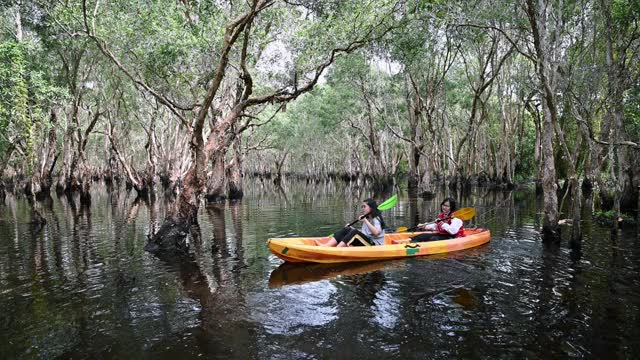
(83, 286)
(296, 273)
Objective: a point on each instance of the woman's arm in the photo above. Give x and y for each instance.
(431, 226)
(375, 230)
(452, 228)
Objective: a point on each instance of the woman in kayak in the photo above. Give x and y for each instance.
(446, 226)
(372, 231)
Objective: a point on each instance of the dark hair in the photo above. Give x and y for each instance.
(452, 204)
(375, 212)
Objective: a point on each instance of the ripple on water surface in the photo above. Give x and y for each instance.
(84, 287)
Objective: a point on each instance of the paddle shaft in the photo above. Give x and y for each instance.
(404, 229)
(354, 221)
(358, 219)
(435, 222)
(462, 214)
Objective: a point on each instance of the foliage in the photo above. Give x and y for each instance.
(26, 98)
(607, 217)
(632, 112)
(14, 117)
(407, 57)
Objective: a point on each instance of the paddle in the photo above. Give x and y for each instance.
(463, 214)
(388, 204)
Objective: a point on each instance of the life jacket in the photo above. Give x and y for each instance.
(460, 232)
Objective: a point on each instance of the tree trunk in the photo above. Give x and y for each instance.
(507, 145)
(538, 152)
(63, 179)
(149, 175)
(216, 179)
(622, 179)
(85, 184)
(618, 82)
(81, 164)
(279, 163)
(141, 180)
(490, 63)
(173, 159)
(41, 180)
(538, 21)
(75, 174)
(172, 236)
(637, 211)
(234, 172)
(450, 162)
(376, 163)
(576, 210)
(415, 136)
(549, 187)
(18, 19)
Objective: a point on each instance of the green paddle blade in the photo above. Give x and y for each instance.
(389, 203)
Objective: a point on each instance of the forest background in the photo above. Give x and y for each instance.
(190, 97)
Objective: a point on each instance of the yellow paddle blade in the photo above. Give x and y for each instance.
(465, 214)
(402, 229)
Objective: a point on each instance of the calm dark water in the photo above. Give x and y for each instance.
(83, 287)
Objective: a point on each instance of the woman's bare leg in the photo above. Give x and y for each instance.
(331, 242)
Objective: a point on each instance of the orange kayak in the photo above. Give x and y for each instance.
(305, 250)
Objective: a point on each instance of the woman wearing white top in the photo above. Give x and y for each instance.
(446, 226)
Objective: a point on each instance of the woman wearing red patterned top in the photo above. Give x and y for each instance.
(447, 227)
